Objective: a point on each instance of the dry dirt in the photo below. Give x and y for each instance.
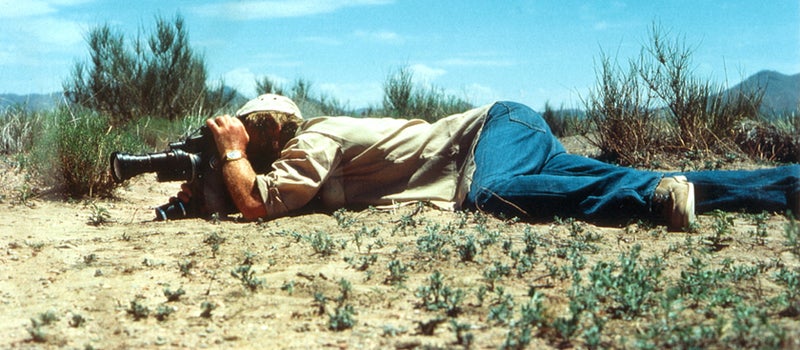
(65, 258)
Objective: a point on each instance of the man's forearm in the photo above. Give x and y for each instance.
(240, 179)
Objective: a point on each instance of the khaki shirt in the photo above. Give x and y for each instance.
(374, 161)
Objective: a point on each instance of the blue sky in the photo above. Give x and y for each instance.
(528, 51)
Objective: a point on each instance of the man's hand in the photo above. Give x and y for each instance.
(185, 195)
(229, 134)
(238, 175)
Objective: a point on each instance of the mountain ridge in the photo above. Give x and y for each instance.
(781, 94)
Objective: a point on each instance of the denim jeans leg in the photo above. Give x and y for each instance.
(772, 189)
(522, 169)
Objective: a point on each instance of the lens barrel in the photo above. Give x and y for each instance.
(174, 210)
(172, 165)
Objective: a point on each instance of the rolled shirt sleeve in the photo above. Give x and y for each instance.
(296, 178)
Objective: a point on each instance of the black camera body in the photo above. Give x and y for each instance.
(192, 160)
(184, 161)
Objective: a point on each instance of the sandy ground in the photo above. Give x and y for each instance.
(92, 263)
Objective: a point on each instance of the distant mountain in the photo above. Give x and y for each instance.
(46, 102)
(32, 102)
(781, 92)
(781, 95)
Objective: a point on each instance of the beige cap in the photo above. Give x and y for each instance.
(270, 102)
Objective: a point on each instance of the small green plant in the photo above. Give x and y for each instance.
(494, 273)
(390, 330)
(433, 242)
(246, 275)
(207, 308)
(722, 226)
(37, 331)
(343, 218)
(518, 337)
(173, 295)
(186, 267)
(502, 308)
(46, 318)
(77, 320)
(163, 311)
(99, 215)
(463, 337)
(790, 297)
(214, 240)
(250, 258)
(342, 317)
(322, 243)
(90, 258)
(696, 281)
(320, 302)
(362, 262)
(288, 286)
(397, 273)
(760, 233)
(791, 234)
(467, 250)
(138, 309)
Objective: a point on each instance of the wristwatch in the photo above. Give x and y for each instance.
(233, 155)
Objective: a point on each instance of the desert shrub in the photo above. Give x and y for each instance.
(71, 152)
(704, 115)
(776, 140)
(17, 127)
(158, 76)
(157, 133)
(659, 105)
(403, 98)
(624, 126)
(562, 122)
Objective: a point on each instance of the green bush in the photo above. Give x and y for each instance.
(17, 126)
(402, 98)
(563, 122)
(624, 125)
(158, 76)
(657, 105)
(71, 152)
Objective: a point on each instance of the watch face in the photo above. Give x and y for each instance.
(233, 155)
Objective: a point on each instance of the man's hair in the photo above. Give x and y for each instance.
(269, 120)
(265, 122)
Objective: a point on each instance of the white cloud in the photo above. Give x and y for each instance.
(242, 79)
(320, 40)
(54, 31)
(380, 36)
(425, 73)
(480, 94)
(250, 10)
(24, 8)
(471, 62)
(355, 95)
(29, 8)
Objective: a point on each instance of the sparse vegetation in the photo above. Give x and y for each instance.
(410, 278)
(657, 107)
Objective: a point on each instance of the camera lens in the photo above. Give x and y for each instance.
(173, 210)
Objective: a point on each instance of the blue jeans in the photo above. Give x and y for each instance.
(523, 170)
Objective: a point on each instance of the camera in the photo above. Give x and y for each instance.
(184, 161)
(189, 160)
